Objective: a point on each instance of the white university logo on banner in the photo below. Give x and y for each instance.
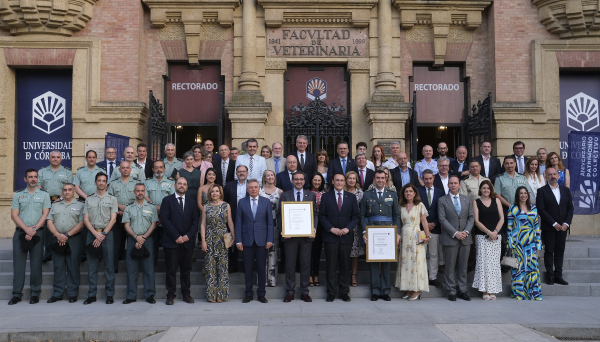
(48, 112)
(587, 199)
(582, 113)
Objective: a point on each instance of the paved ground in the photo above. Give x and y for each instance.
(433, 319)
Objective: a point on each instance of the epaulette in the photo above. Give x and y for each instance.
(151, 202)
(171, 178)
(22, 190)
(68, 168)
(179, 159)
(42, 190)
(149, 178)
(81, 168)
(102, 168)
(130, 203)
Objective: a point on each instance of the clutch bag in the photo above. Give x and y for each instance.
(420, 236)
(509, 260)
(228, 239)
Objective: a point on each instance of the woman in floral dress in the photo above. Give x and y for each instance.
(271, 192)
(352, 186)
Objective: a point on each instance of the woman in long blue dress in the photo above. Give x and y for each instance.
(524, 240)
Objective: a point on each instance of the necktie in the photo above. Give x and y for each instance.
(251, 165)
(302, 161)
(339, 201)
(181, 204)
(362, 178)
(110, 168)
(344, 165)
(379, 194)
(277, 164)
(520, 165)
(254, 207)
(429, 196)
(456, 205)
(224, 173)
(298, 196)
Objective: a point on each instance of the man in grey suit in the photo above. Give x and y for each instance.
(276, 163)
(455, 212)
(298, 246)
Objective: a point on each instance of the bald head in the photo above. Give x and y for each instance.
(291, 163)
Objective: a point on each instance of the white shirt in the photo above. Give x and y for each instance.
(259, 166)
(241, 190)
(177, 197)
(486, 164)
(445, 183)
(298, 153)
(556, 193)
(110, 169)
(337, 196)
(535, 184)
(224, 168)
(143, 165)
(391, 163)
(364, 175)
(459, 206)
(301, 192)
(370, 165)
(291, 173)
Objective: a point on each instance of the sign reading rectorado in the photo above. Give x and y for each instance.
(317, 42)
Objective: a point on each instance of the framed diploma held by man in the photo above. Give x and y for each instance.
(381, 244)
(297, 219)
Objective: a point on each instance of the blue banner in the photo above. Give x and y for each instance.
(584, 150)
(43, 119)
(119, 142)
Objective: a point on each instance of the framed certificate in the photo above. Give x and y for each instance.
(381, 246)
(297, 219)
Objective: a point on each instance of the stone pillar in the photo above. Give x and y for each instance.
(274, 83)
(248, 110)
(385, 77)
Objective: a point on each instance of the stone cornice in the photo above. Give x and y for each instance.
(570, 18)
(290, 12)
(440, 15)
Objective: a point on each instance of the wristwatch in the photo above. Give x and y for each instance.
(67, 234)
(428, 236)
(103, 233)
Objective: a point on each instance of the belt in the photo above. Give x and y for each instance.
(99, 230)
(21, 230)
(378, 218)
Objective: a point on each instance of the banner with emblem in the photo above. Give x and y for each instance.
(43, 119)
(584, 150)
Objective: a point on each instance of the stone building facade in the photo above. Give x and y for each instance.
(120, 50)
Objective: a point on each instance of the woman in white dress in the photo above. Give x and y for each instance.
(412, 266)
(535, 179)
(271, 192)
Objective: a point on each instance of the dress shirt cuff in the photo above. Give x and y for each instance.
(454, 235)
(239, 243)
(567, 224)
(364, 232)
(554, 224)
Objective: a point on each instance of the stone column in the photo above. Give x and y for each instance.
(248, 78)
(385, 77)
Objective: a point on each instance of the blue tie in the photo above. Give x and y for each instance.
(456, 206)
(254, 208)
(277, 164)
(344, 165)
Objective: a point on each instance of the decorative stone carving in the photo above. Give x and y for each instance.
(359, 64)
(334, 12)
(172, 32)
(59, 17)
(448, 20)
(193, 14)
(276, 64)
(570, 18)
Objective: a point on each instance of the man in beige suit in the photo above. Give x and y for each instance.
(276, 163)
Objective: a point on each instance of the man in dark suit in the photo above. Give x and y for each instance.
(298, 247)
(284, 178)
(143, 162)
(338, 214)
(490, 166)
(306, 160)
(555, 207)
(110, 162)
(179, 216)
(365, 175)
(341, 165)
(460, 165)
(225, 167)
(430, 195)
(254, 237)
(403, 175)
(518, 153)
(233, 192)
(441, 179)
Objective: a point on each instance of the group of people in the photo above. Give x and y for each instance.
(231, 203)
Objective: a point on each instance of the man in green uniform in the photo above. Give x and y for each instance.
(135, 172)
(28, 210)
(51, 179)
(122, 188)
(157, 188)
(470, 185)
(99, 216)
(172, 164)
(140, 219)
(85, 185)
(65, 223)
(379, 207)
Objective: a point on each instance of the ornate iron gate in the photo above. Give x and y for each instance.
(157, 129)
(479, 125)
(323, 126)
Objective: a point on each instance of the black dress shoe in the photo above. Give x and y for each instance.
(330, 298)
(89, 300)
(14, 300)
(560, 281)
(386, 297)
(34, 300)
(441, 268)
(150, 300)
(463, 296)
(247, 299)
(452, 298)
(188, 299)
(305, 297)
(374, 298)
(54, 299)
(288, 298)
(170, 300)
(46, 259)
(72, 299)
(109, 300)
(345, 297)
(435, 283)
(262, 299)
(83, 259)
(129, 301)
(550, 281)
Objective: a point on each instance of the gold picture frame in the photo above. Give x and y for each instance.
(300, 213)
(379, 241)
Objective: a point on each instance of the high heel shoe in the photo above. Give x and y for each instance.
(354, 282)
(415, 298)
(407, 295)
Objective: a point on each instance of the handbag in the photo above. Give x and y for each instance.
(509, 259)
(228, 239)
(420, 237)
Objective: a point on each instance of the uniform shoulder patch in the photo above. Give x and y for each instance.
(171, 178)
(68, 168)
(81, 167)
(149, 178)
(151, 202)
(21, 190)
(102, 168)
(130, 203)
(40, 190)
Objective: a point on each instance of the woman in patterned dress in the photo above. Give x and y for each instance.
(352, 186)
(216, 214)
(317, 186)
(271, 192)
(553, 160)
(411, 275)
(210, 177)
(524, 240)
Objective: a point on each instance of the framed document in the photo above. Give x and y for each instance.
(381, 246)
(297, 219)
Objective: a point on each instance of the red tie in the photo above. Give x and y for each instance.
(362, 179)
(339, 201)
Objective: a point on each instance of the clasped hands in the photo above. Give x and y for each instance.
(182, 239)
(461, 235)
(339, 232)
(560, 227)
(30, 232)
(139, 241)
